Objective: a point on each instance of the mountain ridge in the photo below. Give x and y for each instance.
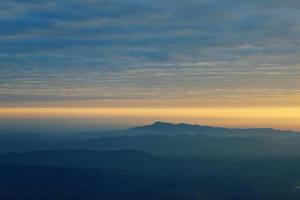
(167, 128)
(161, 128)
(83, 158)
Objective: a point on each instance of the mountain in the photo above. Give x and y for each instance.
(22, 136)
(116, 160)
(163, 129)
(170, 129)
(156, 161)
(173, 139)
(94, 134)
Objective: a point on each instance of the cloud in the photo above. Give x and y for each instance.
(152, 48)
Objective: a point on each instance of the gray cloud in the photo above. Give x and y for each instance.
(125, 49)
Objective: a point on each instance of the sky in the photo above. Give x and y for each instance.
(70, 65)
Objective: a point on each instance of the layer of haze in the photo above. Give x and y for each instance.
(77, 65)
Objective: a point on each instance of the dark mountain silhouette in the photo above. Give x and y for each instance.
(21, 136)
(94, 134)
(170, 139)
(170, 129)
(164, 129)
(157, 161)
(121, 160)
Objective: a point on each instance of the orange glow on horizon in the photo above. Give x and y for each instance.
(274, 117)
(276, 112)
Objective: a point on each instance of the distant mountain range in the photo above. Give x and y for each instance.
(164, 129)
(170, 129)
(163, 138)
(113, 160)
(156, 161)
(21, 136)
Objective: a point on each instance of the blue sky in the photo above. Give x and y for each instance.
(136, 49)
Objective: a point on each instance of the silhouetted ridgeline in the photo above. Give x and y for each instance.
(169, 139)
(164, 128)
(157, 161)
(117, 160)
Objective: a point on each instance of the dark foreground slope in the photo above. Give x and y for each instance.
(28, 176)
(165, 161)
(113, 160)
(178, 145)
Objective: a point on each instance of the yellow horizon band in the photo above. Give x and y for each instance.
(253, 112)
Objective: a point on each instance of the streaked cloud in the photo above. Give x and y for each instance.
(137, 49)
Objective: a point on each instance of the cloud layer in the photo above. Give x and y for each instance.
(138, 49)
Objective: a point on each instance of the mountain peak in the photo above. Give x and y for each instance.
(160, 123)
